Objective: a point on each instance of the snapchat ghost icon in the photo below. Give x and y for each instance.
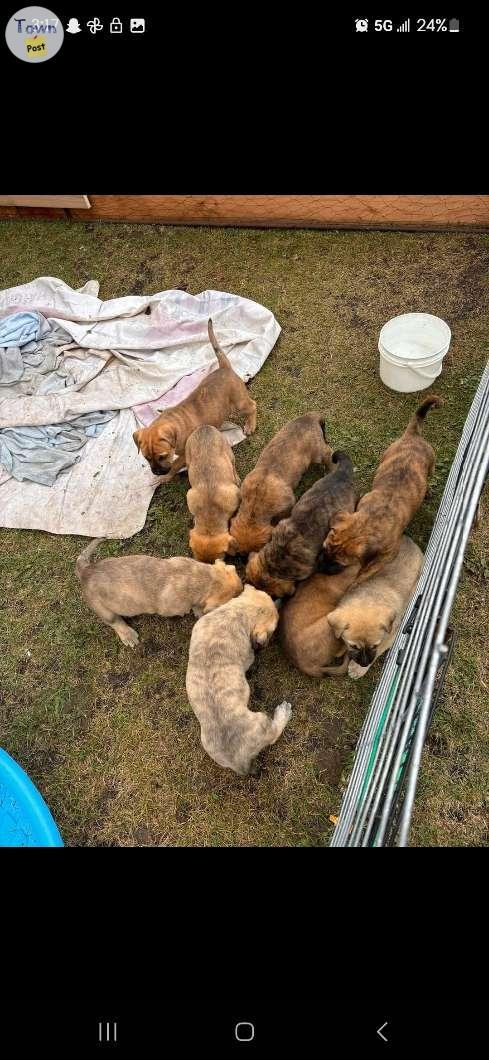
(73, 26)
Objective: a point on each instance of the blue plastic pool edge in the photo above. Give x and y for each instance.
(44, 829)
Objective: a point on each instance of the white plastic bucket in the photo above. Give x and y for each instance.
(412, 347)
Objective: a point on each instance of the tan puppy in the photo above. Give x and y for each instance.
(220, 395)
(267, 492)
(214, 496)
(372, 534)
(137, 585)
(221, 651)
(307, 638)
(369, 615)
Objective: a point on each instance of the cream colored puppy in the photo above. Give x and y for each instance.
(137, 585)
(370, 613)
(221, 651)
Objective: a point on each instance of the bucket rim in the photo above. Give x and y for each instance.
(413, 362)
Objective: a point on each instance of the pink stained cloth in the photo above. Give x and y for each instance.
(150, 410)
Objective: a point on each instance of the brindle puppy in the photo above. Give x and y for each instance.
(214, 494)
(220, 653)
(267, 492)
(372, 535)
(220, 395)
(296, 542)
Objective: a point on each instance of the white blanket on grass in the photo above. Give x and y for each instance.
(125, 352)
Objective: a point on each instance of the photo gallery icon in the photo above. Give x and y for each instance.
(138, 25)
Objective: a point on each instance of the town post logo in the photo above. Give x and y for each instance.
(34, 34)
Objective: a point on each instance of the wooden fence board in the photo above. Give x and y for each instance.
(317, 211)
(269, 211)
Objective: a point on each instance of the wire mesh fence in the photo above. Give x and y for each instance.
(378, 801)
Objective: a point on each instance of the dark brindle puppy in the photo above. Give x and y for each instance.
(296, 542)
(372, 535)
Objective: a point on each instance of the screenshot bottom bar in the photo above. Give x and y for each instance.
(167, 1026)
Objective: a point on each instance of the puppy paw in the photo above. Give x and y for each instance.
(283, 712)
(130, 638)
(355, 671)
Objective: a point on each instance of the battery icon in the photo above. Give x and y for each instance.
(454, 25)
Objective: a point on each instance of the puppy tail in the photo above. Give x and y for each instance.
(221, 356)
(431, 402)
(84, 558)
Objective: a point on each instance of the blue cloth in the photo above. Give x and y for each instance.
(38, 454)
(36, 368)
(20, 328)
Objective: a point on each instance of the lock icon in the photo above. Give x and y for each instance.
(116, 26)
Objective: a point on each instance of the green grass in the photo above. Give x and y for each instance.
(108, 734)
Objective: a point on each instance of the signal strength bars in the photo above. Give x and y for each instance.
(405, 26)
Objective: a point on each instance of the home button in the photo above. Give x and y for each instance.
(244, 1032)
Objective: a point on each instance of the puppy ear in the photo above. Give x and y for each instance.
(337, 622)
(340, 519)
(137, 439)
(166, 433)
(210, 603)
(388, 621)
(260, 635)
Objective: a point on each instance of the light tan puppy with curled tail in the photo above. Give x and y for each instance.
(214, 494)
(370, 613)
(307, 637)
(221, 651)
(137, 585)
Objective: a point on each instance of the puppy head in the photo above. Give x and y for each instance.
(348, 542)
(248, 537)
(362, 629)
(265, 616)
(157, 444)
(206, 548)
(226, 584)
(257, 574)
(352, 540)
(343, 544)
